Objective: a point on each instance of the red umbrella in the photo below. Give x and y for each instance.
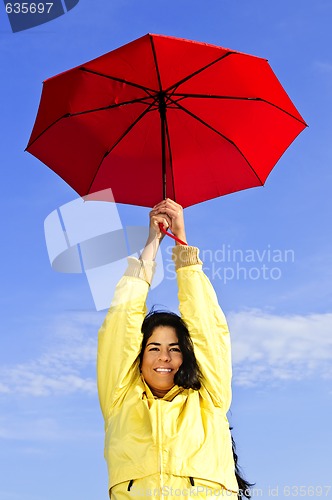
(165, 117)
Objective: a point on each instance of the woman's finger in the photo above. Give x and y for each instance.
(163, 218)
(171, 210)
(168, 203)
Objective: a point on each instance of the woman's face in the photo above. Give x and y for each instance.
(162, 358)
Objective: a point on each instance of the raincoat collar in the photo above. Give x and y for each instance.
(147, 394)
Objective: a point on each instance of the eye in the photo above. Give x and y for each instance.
(176, 349)
(153, 349)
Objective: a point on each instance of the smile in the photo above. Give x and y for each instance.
(163, 370)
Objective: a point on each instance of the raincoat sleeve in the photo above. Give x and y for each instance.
(119, 338)
(207, 325)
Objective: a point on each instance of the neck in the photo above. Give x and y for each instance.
(158, 394)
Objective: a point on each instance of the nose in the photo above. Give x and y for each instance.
(164, 355)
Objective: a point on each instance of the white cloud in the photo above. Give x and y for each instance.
(324, 66)
(272, 348)
(67, 366)
(267, 348)
(4, 388)
(11, 495)
(36, 429)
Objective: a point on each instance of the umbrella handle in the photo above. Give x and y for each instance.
(163, 230)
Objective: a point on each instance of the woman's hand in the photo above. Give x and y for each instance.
(155, 219)
(155, 235)
(173, 213)
(170, 215)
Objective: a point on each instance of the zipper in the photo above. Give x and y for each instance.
(160, 449)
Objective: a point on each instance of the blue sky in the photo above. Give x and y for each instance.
(51, 429)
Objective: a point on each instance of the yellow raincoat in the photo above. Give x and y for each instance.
(180, 445)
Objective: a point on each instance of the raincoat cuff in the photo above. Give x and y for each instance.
(184, 255)
(143, 269)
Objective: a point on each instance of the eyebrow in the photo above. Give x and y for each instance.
(158, 343)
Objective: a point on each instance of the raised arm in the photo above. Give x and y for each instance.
(201, 312)
(207, 325)
(119, 339)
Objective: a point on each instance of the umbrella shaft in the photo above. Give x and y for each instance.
(162, 112)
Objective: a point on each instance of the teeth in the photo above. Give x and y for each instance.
(167, 370)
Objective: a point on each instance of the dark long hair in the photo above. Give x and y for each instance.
(244, 485)
(188, 376)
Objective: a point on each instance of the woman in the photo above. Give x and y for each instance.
(165, 397)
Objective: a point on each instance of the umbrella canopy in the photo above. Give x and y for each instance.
(165, 117)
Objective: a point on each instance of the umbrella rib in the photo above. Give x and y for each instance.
(221, 135)
(156, 63)
(70, 115)
(111, 106)
(45, 130)
(117, 79)
(210, 96)
(188, 77)
(116, 143)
